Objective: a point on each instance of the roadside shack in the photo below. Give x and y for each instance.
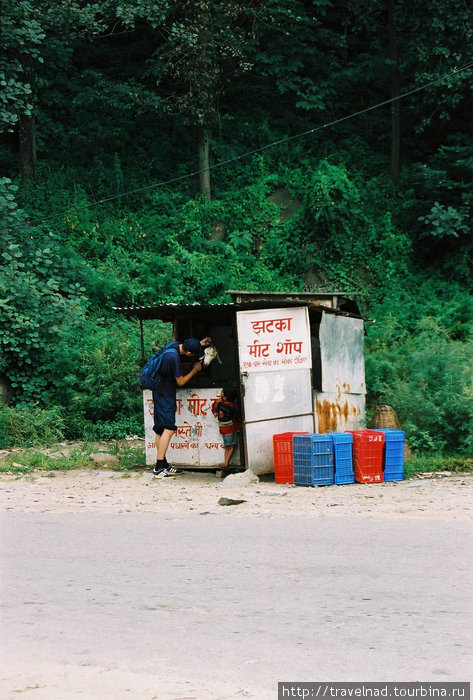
(296, 360)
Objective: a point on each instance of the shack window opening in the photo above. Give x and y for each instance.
(222, 370)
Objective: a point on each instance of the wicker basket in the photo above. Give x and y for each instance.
(384, 416)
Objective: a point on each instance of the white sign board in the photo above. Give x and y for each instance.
(274, 339)
(197, 441)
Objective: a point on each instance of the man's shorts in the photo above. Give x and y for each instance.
(230, 439)
(164, 413)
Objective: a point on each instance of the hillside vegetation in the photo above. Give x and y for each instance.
(168, 151)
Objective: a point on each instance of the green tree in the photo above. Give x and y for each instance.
(41, 299)
(37, 37)
(400, 46)
(204, 48)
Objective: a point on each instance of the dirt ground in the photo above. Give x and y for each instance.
(437, 497)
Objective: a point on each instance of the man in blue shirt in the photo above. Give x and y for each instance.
(164, 397)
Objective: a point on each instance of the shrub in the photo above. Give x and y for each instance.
(115, 430)
(42, 300)
(418, 359)
(25, 427)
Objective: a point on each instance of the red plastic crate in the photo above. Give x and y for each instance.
(368, 448)
(284, 458)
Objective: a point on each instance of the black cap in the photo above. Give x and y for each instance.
(192, 345)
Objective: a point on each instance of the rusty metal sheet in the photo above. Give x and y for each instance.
(336, 412)
(341, 353)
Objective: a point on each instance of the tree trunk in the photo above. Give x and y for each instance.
(204, 162)
(395, 92)
(27, 134)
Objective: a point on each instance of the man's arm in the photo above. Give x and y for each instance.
(181, 381)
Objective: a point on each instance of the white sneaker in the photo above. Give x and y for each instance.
(162, 474)
(173, 471)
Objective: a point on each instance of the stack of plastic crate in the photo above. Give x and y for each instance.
(393, 453)
(313, 459)
(283, 458)
(343, 458)
(368, 448)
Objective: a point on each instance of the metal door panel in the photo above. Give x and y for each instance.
(276, 394)
(259, 438)
(275, 363)
(341, 351)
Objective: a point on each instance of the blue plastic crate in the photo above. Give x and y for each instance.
(313, 460)
(394, 476)
(393, 454)
(314, 476)
(312, 450)
(343, 458)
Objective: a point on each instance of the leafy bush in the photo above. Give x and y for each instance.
(418, 359)
(95, 376)
(349, 232)
(22, 427)
(115, 430)
(42, 300)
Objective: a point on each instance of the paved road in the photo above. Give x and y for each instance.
(202, 606)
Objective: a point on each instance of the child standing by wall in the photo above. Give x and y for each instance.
(227, 416)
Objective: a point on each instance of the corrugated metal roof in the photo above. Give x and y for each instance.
(168, 312)
(236, 293)
(335, 302)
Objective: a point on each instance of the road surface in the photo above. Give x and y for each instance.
(199, 605)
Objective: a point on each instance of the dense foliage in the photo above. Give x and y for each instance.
(160, 151)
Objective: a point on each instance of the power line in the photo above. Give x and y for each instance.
(220, 164)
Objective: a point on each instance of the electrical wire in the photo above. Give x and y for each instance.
(220, 164)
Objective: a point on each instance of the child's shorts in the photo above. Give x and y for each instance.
(230, 439)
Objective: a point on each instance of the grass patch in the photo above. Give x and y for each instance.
(28, 461)
(31, 461)
(428, 462)
(132, 458)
